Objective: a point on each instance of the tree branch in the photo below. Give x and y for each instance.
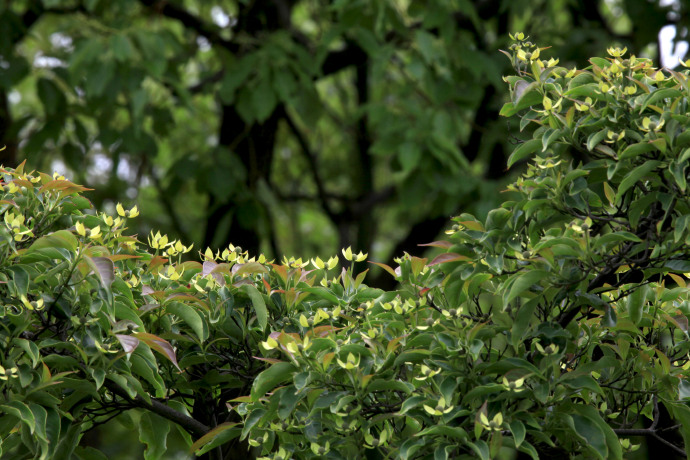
(172, 11)
(191, 425)
(626, 432)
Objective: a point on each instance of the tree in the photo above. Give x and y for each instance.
(557, 325)
(266, 123)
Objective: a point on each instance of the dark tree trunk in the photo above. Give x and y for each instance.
(8, 139)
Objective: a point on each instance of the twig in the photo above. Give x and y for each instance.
(312, 161)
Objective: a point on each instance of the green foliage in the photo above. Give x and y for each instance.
(557, 325)
(284, 126)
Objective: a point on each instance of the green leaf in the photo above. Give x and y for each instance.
(530, 96)
(441, 452)
(411, 403)
(234, 77)
(636, 149)
(658, 95)
(525, 149)
(98, 376)
(410, 447)
(264, 100)
(636, 302)
(217, 436)
(524, 316)
(518, 430)
(60, 239)
(616, 237)
(190, 316)
(506, 365)
(595, 138)
(21, 278)
(391, 385)
(51, 96)
(591, 434)
(321, 292)
(30, 348)
(587, 90)
(677, 169)
(121, 47)
(22, 412)
(425, 44)
(145, 366)
(481, 449)
(550, 137)
(581, 381)
(258, 303)
(682, 266)
(268, 379)
(528, 448)
(68, 440)
(612, 442)
(153, 431)
(523, 282)
(444, 430)
(481, 391)
(40, 416)
(635, 175)
(253, 418)
(289, 398)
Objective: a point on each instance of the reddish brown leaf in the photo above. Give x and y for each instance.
(268, 360)
(157, 261)
(162, 346)
(387, 268)
(208, 437)
(281, 270)
(129, 343)
(438, 244)
(104, 268)
(267, 286)
(116, 257)
(249, 269)
(448, 257)
(208, 267)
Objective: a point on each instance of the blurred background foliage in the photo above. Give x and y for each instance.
(290, 127)
(286, 126)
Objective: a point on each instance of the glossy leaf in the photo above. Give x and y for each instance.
(268, 379)
(258, 304)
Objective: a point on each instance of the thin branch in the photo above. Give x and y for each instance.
(300, 196)
(201, 84)
(313, 167)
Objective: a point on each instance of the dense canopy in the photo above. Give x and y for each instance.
(286, 126)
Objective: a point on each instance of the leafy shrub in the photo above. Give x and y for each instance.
(556, 326)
